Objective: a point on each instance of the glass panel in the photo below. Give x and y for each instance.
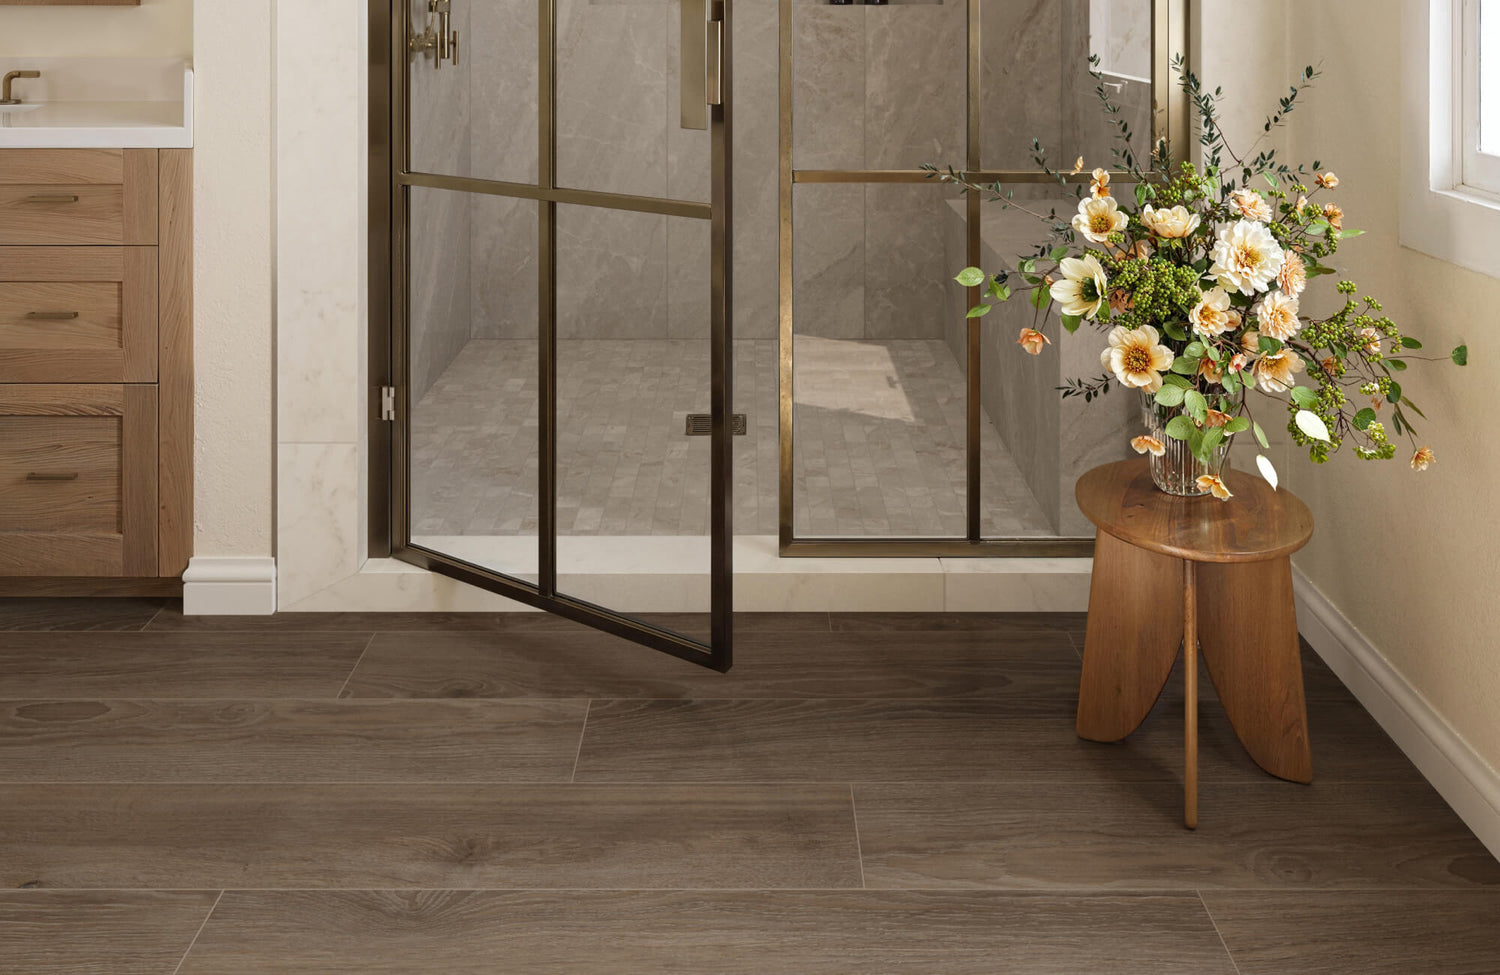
(1036, 83)
(474, 402)
(1035, 442)
(880, 421)
(879, 86)
(619, 109)
(478, 118)
(632, 364)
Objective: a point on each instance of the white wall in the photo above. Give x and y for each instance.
(155, 29)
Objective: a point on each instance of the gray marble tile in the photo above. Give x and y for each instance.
(915, 84)
(906, 272)
(828, 114)
(440, 283)
(499, 54)
(612, 273)
(828, 260)
(504, 267)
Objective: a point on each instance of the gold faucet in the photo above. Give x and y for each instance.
(5, 95)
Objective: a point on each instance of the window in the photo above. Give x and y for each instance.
(1478, 126)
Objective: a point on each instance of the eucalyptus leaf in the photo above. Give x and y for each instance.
(1312, 425)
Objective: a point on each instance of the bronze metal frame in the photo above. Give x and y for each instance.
(392, 180)
(1170, 118)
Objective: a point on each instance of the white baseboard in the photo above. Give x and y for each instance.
(219, 586)
(1461, 776)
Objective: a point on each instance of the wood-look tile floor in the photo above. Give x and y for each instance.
(471, 793)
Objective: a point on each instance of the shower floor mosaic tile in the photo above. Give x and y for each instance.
(879, 442)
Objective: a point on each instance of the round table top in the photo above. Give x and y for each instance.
(1257, 524)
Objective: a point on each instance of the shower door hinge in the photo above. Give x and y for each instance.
(388, 403)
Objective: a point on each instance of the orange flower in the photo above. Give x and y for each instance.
(1238, 363)
(1099, 185)
(1423, 459)
(1032, 341)
(1217, 419)
(1119, 301)
(1210, 370)
(1328, 180)
(1149, 445)
(1335, 215)
(1214, 486)
(1292, 278)
(1078, 166)
(1301, 205)
(1142, 250)
(1330, 365)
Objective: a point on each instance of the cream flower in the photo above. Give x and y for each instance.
(1149, 445)
(1250, 341)
(1215, 486)
(1328, 180)
(1078, 166)
(1334, 214)
(1142, 250)
(1099, 185)
(1098, 217)
(1216, 418)
(1372, 341)
(1136, 357)
(1083, 289)
(1210, 370)
(1173, 222)
(1292, 278)
(1252, 205)
(1212, 316)
(1277, 372)
(1246, 258)
(1423, 459)
(1277, 315)
(1032, 341)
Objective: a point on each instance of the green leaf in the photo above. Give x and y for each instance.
(1213, 353)
(1000, 292)
(1195, 443)
(970, 277)
(1040, 298)
(1238, 425)
(1260, 436)
(1184, 366)
(1179, 427)
(1059, 252)
(1303, 396)
(979, 311)
(1407, 342)
(1394, 396)
(1194, 350)
(1345, 234)
(1071, 322)
(1170, 395)
(1172, 379)
(1175, 331)
(1396, 364)
(1212, 437)
(1312, 425)
(1027, 266)
(1194, 404)
(1268, 345)
(1364, 418)
(1461, 355)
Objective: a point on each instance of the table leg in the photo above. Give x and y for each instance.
(1133, 634)
(1250, 647)
(1190, 695)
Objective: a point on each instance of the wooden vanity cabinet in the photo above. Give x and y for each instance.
(95, 364)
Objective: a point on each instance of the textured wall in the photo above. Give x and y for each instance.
(155, 29)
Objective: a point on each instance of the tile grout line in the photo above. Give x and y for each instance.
(198, 934)
(1214, 921)
(589, 706)
(146, 625)
(859, 847)
(358, 660)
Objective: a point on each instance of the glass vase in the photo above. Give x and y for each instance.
(1177, 471)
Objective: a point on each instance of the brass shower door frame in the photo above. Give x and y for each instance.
(392, 179)
(1170, 118)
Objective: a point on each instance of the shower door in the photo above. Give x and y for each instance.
(560, 307)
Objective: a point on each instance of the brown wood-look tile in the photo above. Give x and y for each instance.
(67, 932)
(289, 741)
(677, 932)
(1000, 624)
(872, 665)
(941, 740)
(1398, 932)
(1130, 835)
(63, 613)
(432, 836)
(176, 665)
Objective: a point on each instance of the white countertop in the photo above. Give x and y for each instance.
(97, 104)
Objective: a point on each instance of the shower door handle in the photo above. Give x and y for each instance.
(702, 61)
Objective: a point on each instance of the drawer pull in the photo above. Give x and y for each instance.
(51, 316)
(51, 198)
(33, 476)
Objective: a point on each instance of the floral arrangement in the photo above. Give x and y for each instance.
(1198, 279)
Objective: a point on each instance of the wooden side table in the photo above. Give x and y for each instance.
(1195, 572)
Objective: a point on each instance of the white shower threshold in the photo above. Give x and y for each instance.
(668, 574)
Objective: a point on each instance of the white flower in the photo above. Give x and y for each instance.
(1136, 357)
(1083, 289)
(1098, 217)
(1212, 316)
(1169, 222)
(1252, 205)
(1277, 372)
(1246, 257)
(1278, 316)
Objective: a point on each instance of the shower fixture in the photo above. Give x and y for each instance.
(437, 37)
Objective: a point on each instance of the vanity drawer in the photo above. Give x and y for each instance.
(78, 475)
(78, 196)
(78, 314)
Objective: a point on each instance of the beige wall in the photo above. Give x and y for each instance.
(155, 29)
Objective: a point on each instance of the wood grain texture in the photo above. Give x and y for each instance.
(82, 453)
(288, 741)
(1257, 523)
(746, 624)
(772, 665)
(167, 665)
(70, 3)
(65, 932)
(1401, 932)
(1133, 636)
(175, 456)
(1122, 835)
(431, 836)
(681, 932)
(42, 214)
(1190, 695)
(105, 166)
(138, 482)
(1251, 649)
(89, 587)
(75, 614)
(139, 216)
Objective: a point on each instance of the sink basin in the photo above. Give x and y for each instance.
(23, 107)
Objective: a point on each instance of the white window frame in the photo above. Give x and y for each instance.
(1480, 171)
(1441, 214)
